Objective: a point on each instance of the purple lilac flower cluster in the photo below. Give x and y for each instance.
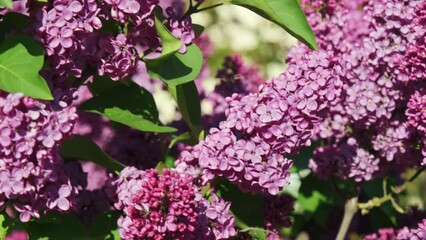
(64, 29)
(372, 39)
(168, 206)
(247, 147)
(405, 233)
(414, 62)
(32, 177)
(70, 33)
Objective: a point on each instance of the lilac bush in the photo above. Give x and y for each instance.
(333, 147)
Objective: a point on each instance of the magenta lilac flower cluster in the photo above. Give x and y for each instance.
(168, 206)
(32, 177)
(371, 38)
(247, 147)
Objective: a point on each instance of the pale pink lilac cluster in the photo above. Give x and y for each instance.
(32, 174)
(168, 206)
(248, 146)
(371, 38)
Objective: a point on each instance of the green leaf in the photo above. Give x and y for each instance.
(102, 83)
(169, 162)
(6, 3)
(160, 166)
(4, 226)
(314, 193)
(186, 138)
(286, 13)
(104, 226)
(170, 43)
(12, 21)
(247, 207)
(21, 58)
(177, 68)
(128, 104)
(65, 227)
(188, 101)
(80, 147)
(198, 29)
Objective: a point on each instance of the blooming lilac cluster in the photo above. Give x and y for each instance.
(70, 33)
(118, 57)
(377, 89)
(65, 30)
(247, 147)
(32, 177)
(414, 62)
(405, 233)
(168, 206)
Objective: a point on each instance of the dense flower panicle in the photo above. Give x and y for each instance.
(366, 102)
(168, 206)
(248, 163)
(371, 40)
(276, 212)
(414, 62)
(390, 34)
(118, 57)
(64, 29)
(345, 161)
(416, 111)
(67, 30)
(31, 171)
(285, 111)
(248, 146)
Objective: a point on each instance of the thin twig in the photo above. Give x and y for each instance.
(350, 210)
